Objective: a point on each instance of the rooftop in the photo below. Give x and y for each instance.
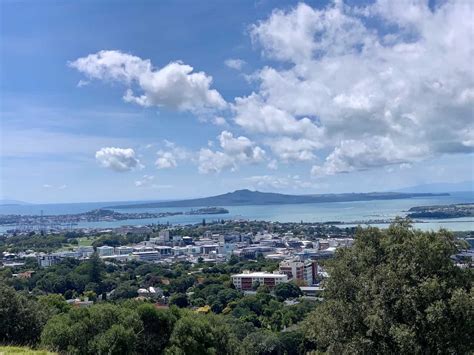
(259, 274)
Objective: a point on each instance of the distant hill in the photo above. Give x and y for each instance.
(247, 197)
(440, 187)
(12, 203)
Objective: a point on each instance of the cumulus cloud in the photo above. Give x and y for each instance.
(219, 121)
(165, 160)
(273, 164)
(289, 149)
(236, 64)
(174, 86)
(148, 181)
(117, 159)
(169, 158)
(144, 181)
(371, 95)
(214, 161)
(352, 155)
(256, 115)
(235, 150)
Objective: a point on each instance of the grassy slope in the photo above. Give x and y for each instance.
(6, 350)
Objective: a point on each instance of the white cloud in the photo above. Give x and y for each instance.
(169, 158)
(352, 155)
(371, 97)
(82, 83)
(235, 150)
(236, 64)
(148, 181)
(242, 147)
(117, 159)
(214, 161)
(255, 115)
(219, 121)
(165, 160)
(174, 86)
(289, 149)
(273, 164)
(275, 182)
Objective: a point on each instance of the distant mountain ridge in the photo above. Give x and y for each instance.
(440, 187)
(7, 202)
(247, 197)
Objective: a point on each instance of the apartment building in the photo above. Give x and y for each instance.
(246, 280)
(298, 270)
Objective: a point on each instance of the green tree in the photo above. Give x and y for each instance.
(196, 334)
(262, 342)
(21, 320)
(95, 269)
(396, 291)
(292, 342)
(157, 328)
(284, 291)
(125, 290)
(53, 304)
(180, 300)
(99, 329)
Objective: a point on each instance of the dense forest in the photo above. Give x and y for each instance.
(394, 291)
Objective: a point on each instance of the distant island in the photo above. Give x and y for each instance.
(4, 202)
(208, 210)
(442, 211)
(98, 215)
(247, 197)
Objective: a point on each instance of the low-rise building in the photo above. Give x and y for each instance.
(85, 251)
(123, 250)
(312, 291)
(164, 250)
(247, 280)
(46, 260)
(149, 256)
(105, 250)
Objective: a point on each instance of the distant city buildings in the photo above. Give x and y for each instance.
(298, 256)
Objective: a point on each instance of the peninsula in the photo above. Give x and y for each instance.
(442, 211)
(98, 215)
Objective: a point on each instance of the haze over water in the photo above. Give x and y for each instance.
(319, 212)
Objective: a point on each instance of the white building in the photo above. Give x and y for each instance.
(123, 250)
(105, 250)
(147, 255)
(298, 270)
(164, 251)
(46, 260)
(246, 280)
(164, 235)
(226, 248)
(85, 251)
(194, 249)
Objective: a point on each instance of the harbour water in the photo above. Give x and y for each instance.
(317, 212)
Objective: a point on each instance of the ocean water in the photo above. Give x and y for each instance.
(317, 212)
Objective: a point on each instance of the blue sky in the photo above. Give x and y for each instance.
(120, 100)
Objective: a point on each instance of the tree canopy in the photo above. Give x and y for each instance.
(396, 291)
